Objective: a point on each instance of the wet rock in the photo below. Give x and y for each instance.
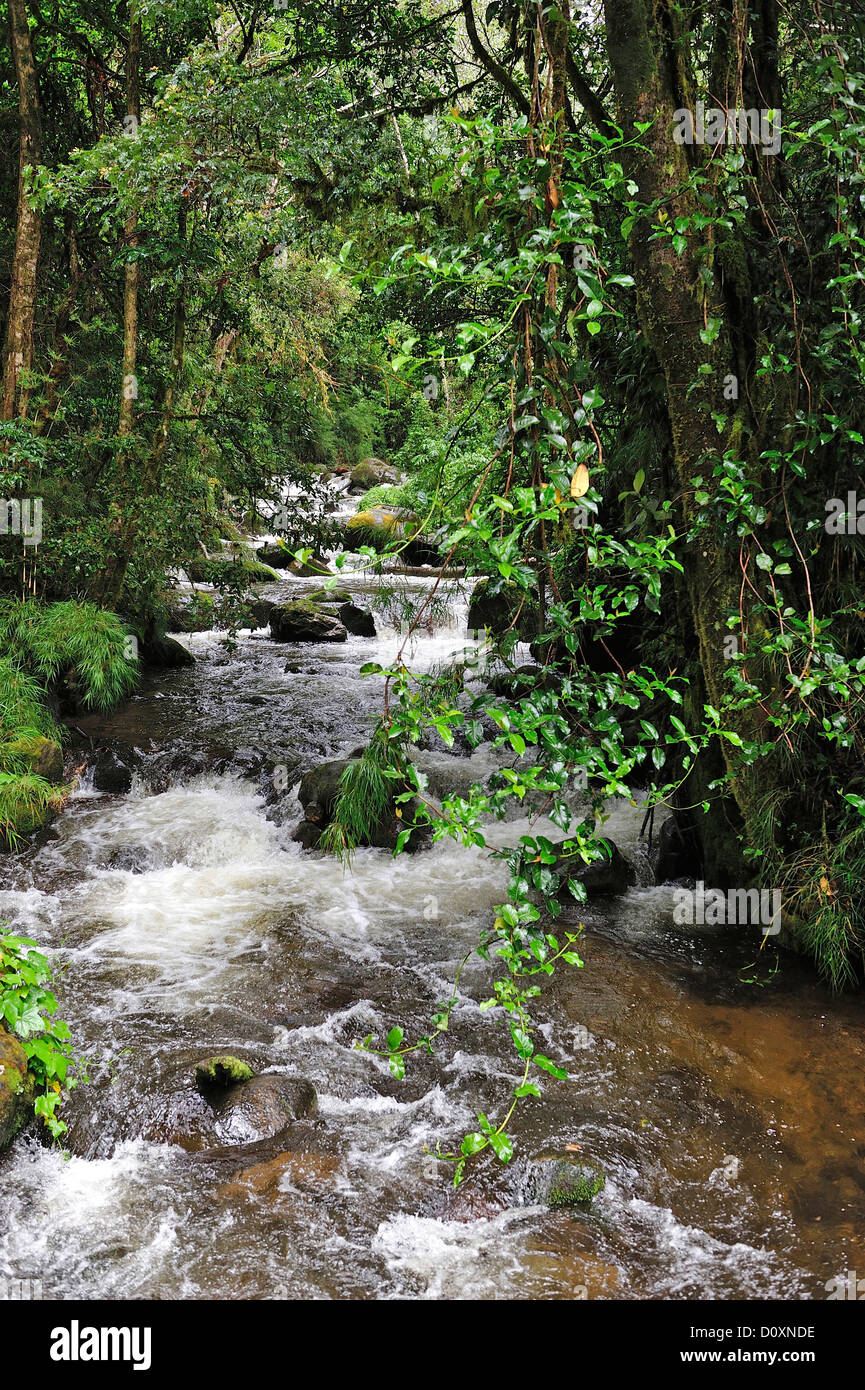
(303, 621)
(218, 1073)
(164, 653)
(307, 834)
(113, 770)
(358, 621)
(318, 792)
(131, 859)
(306, 1172)
(319, 789)
(275, 556)
(330, 596)
(566, 1180)
(16, 1087)
(678, 852)
(372, 472)
(607, 877)
(262, 1106)
(41, 756)
(260, 610)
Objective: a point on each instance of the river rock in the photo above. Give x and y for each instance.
(312, 568)
(303, 621)
(41, 756)
(678, 852)
(330, 596)
(358, 621)
(307, 834)
(165, 653)
(260, 610)
(262, 1106)
(607, 877)
(269, 1181)
(372, 472)
(16, 1087)
(218, 1073)
(319, 789)
(565, 1180)
(113, 770)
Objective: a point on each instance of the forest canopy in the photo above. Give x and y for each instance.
(590, 276)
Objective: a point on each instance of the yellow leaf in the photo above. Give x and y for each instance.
(580, 481)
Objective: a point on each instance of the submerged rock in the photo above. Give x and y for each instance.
(113, 770)
(269, 1181)
(16, 1087)
(303, 621)
(566, 1180)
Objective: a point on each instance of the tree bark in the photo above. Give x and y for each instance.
(128, 389)
(18, 348)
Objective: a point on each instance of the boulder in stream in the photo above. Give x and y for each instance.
(165, 653)
(218, 1073)
(303, 621)
(358, 621)
(113, 769)
(372, 472)
(319, 789)
(263, 1106)
(565, 1180)
(607, 877)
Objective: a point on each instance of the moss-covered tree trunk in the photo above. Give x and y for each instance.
(18, 348)
(676, 304)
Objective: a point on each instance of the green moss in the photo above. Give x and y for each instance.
(222, 1072)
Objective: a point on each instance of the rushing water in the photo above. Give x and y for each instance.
(728, 1116)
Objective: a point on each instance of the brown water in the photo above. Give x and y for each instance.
(728, 1116)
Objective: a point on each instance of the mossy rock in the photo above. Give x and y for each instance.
(16, 1087)
(372, 472)
(42, 756)
(330, 596)
(221, 1072)
(565, 1181)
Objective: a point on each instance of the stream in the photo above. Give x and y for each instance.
(728, 1116)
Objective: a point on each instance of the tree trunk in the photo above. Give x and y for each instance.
(651, 82)
(18, 348)
(128, 390)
